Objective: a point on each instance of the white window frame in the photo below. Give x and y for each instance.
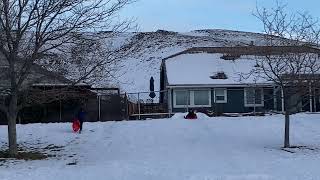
(191, 98)
(253, 105)
(225, 96)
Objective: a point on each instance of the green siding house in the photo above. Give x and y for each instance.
(220, 80)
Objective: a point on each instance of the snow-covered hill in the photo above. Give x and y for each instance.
(147, 49)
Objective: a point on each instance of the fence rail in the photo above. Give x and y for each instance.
(100, 106)
(144, 104)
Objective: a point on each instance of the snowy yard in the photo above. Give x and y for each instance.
(171, 149)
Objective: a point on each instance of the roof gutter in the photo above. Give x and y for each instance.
(218, 85)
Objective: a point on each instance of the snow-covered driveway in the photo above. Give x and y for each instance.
(172, 149)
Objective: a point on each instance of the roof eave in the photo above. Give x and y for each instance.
(171, 86)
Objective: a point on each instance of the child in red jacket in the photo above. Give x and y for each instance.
(191, 115)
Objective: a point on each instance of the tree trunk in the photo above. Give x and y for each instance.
(12, 133)
(287, 130)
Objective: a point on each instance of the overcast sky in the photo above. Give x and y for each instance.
(187, 15)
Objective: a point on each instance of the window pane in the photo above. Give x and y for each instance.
(182, 97)
(220, 98)
(219, 92)
(201, 97)
(220, 95)
(258, 99)
(253, 96)
(250, 96)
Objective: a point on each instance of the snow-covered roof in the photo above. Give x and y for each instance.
(224, 66)
(198, 69)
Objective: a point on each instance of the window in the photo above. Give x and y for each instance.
(181, 98)
(253, 97)
(220, 95)
(201, 97)
(191, 98)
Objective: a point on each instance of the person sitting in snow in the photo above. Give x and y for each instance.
(191, 115)
(81, 117)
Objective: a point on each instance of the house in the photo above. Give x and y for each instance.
(217, 80)
(50, 97)
(43, 94)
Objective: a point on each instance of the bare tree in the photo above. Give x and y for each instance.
(294, 71)
(33, 30)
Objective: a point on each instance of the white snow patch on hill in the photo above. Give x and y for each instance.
(147, 49)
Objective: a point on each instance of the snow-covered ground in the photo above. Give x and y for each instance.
(219, 148)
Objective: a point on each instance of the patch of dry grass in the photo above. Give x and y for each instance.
(24, 155)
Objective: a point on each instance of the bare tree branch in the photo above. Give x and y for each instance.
(33, 31)
(294, 72)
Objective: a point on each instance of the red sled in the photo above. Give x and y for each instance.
(191, 116)
(76, 125)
